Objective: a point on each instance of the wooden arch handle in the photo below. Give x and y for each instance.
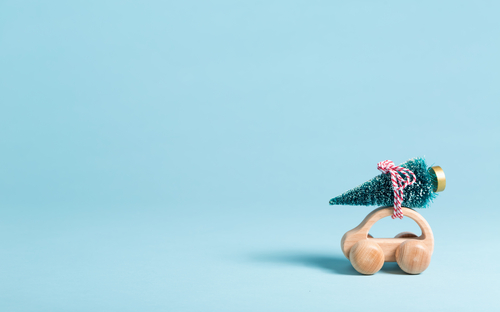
(380, 213)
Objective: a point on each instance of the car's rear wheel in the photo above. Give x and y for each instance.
(367, 257)
(406, 235)
(413, 256)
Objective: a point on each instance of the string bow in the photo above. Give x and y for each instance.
(398, 183)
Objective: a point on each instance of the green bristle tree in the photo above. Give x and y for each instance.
(378, 191)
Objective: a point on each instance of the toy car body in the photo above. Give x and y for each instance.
(367, 254)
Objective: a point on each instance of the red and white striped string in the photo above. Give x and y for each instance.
(398, 183)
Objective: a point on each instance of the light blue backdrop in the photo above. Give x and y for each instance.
(179, 156)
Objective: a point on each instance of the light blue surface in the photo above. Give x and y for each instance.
(180, 156)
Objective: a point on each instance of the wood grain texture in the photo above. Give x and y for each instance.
(366, 257)
(389, 246)
(413, 257)
(406, 235)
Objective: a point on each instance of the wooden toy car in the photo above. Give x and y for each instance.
(368, 254)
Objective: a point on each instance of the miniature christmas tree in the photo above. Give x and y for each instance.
(379, 190)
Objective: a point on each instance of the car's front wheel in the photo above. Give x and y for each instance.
(367, 257)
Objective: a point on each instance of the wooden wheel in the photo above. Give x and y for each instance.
(406, 235)
(413, 256)
(367, 257)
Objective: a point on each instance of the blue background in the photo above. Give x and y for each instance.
(179, 156)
